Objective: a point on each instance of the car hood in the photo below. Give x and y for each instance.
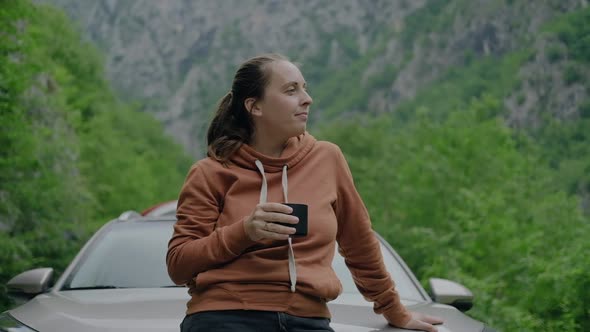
(163, 310)
(153, 309)
(359, 317)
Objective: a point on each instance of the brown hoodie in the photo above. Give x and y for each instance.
(211, 252)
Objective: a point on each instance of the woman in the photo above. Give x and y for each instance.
(244, 271)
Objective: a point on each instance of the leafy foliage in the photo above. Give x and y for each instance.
(71, 155)
(574, 31)
(462, 196)
(460, 200)
(459, 194)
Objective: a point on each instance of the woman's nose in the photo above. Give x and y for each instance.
(307, 100)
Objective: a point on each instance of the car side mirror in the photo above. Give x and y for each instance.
(28, 284)
(451, 293)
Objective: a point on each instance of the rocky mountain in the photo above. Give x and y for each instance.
(466, 124)
(175, 58)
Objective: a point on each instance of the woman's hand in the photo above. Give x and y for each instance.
(261, 223)
(422, 322)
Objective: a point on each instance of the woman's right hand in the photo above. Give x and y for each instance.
(261, 223)
(422, 322)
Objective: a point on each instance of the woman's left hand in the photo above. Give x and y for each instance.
(422, 322)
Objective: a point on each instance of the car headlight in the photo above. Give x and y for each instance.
(9, 324)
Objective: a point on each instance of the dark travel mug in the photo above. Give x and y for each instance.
(300, 211)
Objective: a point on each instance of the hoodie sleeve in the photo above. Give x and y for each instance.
(197, 244)
(361, 250)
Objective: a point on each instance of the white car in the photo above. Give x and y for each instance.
(119, 282)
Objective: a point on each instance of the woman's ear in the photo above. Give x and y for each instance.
(252, 106)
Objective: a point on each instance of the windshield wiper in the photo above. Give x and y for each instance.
(93, 287)
(173, 286)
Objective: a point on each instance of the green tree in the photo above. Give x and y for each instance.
(71, 155)
(459, 199)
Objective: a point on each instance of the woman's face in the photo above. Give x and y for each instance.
(283, 110)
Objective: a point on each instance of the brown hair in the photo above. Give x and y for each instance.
(232, 125)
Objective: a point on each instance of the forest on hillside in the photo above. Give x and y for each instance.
(456, 190)
(71, 155)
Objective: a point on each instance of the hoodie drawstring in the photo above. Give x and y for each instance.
(263, 196)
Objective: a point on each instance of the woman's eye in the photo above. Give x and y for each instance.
(291, 90)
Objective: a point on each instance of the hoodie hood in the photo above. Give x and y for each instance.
(296, 148)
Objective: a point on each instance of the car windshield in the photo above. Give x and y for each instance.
(129, 254)
(132, 254)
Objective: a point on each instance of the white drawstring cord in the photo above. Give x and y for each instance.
(263, 197)
(263, 189)
(292, 265)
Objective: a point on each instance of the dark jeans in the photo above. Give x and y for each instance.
(251, 321)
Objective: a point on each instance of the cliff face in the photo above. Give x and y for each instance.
(176, 57)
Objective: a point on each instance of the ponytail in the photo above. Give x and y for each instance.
(228, 130)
